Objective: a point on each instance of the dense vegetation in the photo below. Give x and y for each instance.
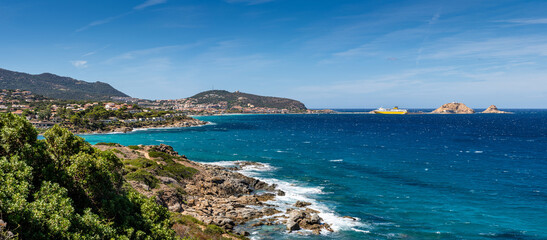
(63, 188)
(145, 170)
(53, 86)
(242, 99)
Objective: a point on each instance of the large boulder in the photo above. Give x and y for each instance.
(454, 107)
(300, 204)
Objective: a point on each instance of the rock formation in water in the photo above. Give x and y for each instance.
(455, 108)
(493, 109)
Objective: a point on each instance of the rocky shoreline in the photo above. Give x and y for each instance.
(219, 195)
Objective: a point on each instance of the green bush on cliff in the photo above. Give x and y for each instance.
(214, 229)
(176, 171)
(143, 176)
(166, 157)
(63, 188)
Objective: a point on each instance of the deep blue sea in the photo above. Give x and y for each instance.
(480, 176)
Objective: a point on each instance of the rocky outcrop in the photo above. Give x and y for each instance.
(493, 109)
(301, 204)
(218, 195)
(306, 219)
(454, 108)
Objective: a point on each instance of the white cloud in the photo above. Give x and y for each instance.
(149, 3)
(79, 64)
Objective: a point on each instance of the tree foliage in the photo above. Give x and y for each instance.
(62, 188)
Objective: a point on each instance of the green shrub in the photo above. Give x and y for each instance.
(108, 144)
(185, 219)
(143, 176)
(214, 229)
(134, 147)
(164, 156)
(118, 152)
(140, 162)
(176, 171)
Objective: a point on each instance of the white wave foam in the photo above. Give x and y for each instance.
(294, 192)
(359, 230)
(336, 160)
(222, 163)
(206, 124)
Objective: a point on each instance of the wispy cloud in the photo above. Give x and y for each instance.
(526, 21)
(95, 51)
(142, 6)
(79, 63)
(365, 49)
(102, 21)
(378, 83)
(249, 2)
(431, 21)
(489, 48)
(149, 51)
(149, 3)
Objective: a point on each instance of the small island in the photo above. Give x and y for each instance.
(454, 108)
(493, 109)
(460, 108)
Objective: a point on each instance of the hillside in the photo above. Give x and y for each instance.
(53, 86)
(244, 99)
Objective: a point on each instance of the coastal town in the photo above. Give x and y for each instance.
(121, 114)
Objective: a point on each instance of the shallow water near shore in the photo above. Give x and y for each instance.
(478, 176)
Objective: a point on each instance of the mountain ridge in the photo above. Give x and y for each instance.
(58, 87)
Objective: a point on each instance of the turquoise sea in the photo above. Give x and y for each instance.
(425, 176)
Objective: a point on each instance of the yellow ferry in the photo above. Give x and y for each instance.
(394, 110)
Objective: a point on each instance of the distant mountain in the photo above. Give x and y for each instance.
(53, 86)
(244, 99)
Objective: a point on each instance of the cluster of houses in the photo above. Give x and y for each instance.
(152, 119)
(190, 106)
(16, 101)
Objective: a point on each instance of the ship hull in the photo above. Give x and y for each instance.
(390, 112)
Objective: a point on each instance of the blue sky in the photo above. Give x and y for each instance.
(335, 54)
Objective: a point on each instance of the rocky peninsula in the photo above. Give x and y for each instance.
(212, 194)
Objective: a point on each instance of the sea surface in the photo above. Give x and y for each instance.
(480, 176)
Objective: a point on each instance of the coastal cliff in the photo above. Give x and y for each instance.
(212, 194)
(454, 108)
(493, 109)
